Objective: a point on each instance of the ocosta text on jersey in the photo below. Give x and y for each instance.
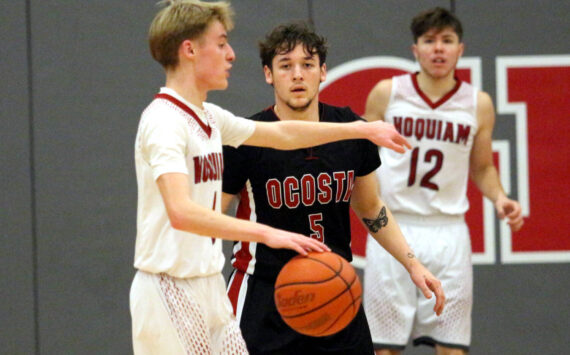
(308, 190)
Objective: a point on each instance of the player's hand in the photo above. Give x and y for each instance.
(429, 284)
(385, 135)
(278, 239)
(510, 209)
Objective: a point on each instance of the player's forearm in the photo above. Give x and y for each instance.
(392, 239)
(196, 219)
(488, 182)
(184, 214)
(385, 230)
(296, 134)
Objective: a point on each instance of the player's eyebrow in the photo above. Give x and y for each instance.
(285, 58)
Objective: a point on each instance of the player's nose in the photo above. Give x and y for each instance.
(297, 72)
(438, 46)
(231, 55)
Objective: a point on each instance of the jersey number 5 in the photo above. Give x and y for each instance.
(317, 228)
(432, 154)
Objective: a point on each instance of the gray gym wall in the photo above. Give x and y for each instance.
(75, 78)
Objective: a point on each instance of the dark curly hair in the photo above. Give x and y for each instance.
(283, 39)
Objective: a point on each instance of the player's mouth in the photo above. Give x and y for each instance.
(298, 89)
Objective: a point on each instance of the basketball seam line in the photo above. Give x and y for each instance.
(336, 273)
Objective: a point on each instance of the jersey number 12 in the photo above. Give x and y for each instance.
(431, 155)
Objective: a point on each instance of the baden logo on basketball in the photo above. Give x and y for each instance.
(298, 299)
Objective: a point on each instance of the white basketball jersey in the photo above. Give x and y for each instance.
(431, 178)
(175, 136)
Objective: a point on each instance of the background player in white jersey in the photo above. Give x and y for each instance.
(308, 191)
(178, 301)
(449, 124)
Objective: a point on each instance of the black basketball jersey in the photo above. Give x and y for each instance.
(305, 191)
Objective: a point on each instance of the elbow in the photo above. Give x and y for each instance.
(360, 211)
(368, 209)
(177, 220)
(176, 223)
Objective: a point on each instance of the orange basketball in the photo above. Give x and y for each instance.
(318, 294)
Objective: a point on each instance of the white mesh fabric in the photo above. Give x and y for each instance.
(231, 341)
(389, 297)
(187, 318)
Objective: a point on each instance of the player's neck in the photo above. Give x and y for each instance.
(185, 85)
(436, 88)
(284, 112)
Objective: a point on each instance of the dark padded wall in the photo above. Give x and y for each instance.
(16, 251)
(91, 76)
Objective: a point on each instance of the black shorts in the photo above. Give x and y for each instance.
(265, 332)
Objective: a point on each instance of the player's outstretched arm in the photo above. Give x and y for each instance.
(186, 215)
(380, 223)
(293, 134)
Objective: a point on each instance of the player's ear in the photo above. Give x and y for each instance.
(414, 48)
(268, 75)
(461, 48)
(323, 72)
(186, 49)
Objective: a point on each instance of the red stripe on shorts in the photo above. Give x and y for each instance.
(243, 256)
(233, 291)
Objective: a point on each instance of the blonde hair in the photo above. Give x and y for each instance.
(180, 20)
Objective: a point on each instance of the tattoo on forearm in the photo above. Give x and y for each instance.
(411, 255)
(374, 225)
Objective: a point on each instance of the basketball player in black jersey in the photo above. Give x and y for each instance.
(308, 191)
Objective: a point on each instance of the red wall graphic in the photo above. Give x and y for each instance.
(536, 90)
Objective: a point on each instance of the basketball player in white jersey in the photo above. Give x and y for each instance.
(449, 124)
(178, 301)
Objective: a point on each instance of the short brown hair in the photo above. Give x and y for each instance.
(180, 20)
(437, 18)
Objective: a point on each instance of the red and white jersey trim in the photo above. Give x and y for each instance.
(244, 252)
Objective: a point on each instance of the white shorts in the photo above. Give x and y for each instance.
(397, 310)
(183, 316)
